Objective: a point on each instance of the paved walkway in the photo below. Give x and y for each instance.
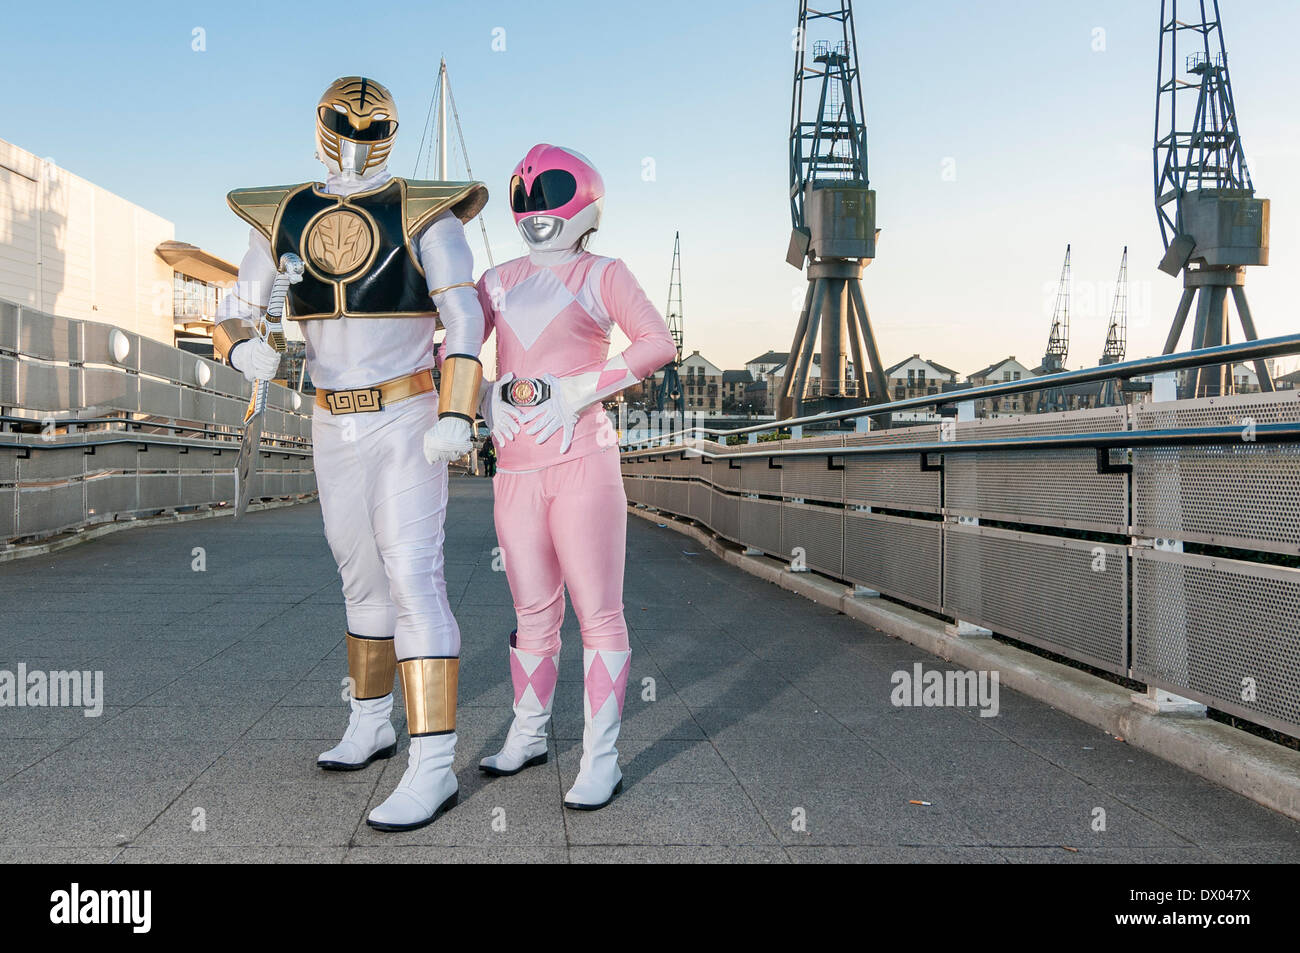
(769, 714)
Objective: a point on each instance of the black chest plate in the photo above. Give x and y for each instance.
(358, 257)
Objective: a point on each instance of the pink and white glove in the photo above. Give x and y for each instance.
(569, 395)
(503, 418)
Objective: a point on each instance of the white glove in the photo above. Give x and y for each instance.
(256, 359)
(560, 412)
(447, 440)
(503, 418)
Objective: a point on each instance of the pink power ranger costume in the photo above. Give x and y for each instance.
(561, 513)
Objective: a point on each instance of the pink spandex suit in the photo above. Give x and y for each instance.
(561, 517)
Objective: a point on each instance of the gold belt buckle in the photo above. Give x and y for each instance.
(362, 400)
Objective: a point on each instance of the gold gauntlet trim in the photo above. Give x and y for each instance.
(437, 291)
(371, 665)
(461, 377)
(226, 335)
(429, 685)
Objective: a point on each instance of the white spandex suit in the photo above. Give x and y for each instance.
(382, 502)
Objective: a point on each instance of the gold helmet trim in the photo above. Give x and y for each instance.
(357, 110)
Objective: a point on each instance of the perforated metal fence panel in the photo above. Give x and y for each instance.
(761, 476)
(899, 557)
(1244, 495)
(760, 526)
(673, 497)
(1039, 487)
(724, 515)
(701, 499)
(1221, 631)
(889, 481)
(815, 534)
(1068, 596)
(813, 478)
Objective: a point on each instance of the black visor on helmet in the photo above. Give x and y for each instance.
(552, 189)
(339, 124)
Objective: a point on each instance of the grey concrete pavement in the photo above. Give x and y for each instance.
(758, 727)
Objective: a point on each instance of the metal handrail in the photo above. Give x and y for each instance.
(222, 430)
(1221, 354)
(1098, 440)
(216, 446)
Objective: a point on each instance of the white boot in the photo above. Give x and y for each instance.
(370, 736)
(427, 789)
(605, 682)
(534, 678)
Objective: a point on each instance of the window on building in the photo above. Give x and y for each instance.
(193, 299)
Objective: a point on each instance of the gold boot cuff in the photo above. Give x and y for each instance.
(429, 685)
(371, 664)
(458, 395)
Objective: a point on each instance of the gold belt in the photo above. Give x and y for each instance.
(366, 400)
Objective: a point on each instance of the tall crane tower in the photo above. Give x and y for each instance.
(833, 214)
(670, 397)
(1058, 342)
(1117, 334)
(1212, 225)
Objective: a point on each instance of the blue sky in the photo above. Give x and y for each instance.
(1049, 138)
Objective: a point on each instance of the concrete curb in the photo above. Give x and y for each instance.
(1252, 767)
(60, 543)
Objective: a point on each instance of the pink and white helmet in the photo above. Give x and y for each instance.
(556, 196)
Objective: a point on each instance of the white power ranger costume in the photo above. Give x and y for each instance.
(376, 249)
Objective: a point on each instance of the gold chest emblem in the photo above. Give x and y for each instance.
(340, 242)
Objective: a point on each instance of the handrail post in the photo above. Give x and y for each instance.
(948, 434)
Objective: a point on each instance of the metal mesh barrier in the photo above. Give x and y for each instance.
(1221, 631)
(1068, 596)
(1242, 495)
(1041, 487)
(1224, 631)
(814, 534)
(899, 557)
(126, 427)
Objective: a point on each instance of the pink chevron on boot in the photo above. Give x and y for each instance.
(599, 777)
(534, 678)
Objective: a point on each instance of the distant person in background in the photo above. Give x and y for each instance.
(561, 513)
(488, 455)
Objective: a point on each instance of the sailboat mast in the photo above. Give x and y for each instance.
(442, 121)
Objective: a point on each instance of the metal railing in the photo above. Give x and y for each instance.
(1122, 371)
(99, 424)
(1159, 541)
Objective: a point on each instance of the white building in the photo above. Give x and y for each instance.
(763, 365)
(72, 249)
(1007, 369)
(701, 384)
(918, 377)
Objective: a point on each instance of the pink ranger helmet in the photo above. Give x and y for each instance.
(556, 196)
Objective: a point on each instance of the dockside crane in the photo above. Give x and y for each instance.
(833, 214)
(1058, 342)
(1116, 335)
(1212, 224)
(670, 398)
